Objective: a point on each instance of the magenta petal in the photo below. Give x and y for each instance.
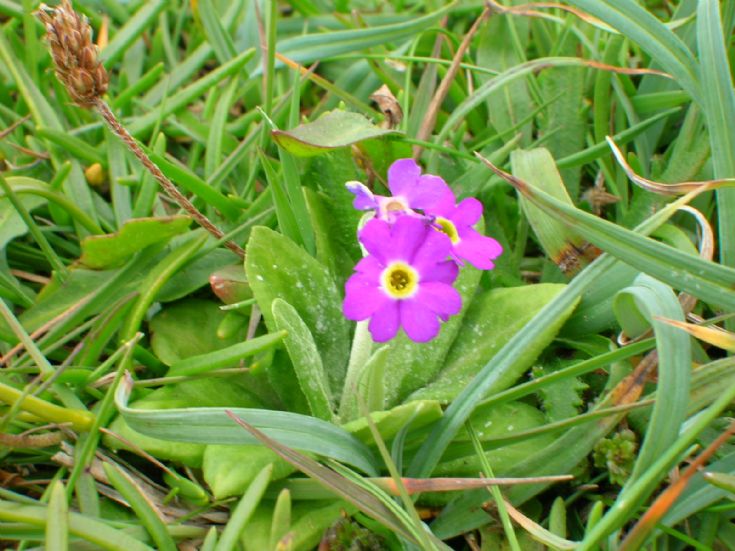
(402, 175)
(364, 198)
(440, 298)
(362, 298)
(419, 323)
(384, 324)
(478, 250)
(434, 249)
(428, 191)
(374, 236)
(443, 272)
(407, 235)
(370, 267)
(468, 211)
(444, 207)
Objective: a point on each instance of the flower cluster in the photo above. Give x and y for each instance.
(416, 242)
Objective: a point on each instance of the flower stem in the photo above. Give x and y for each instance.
(362, 346)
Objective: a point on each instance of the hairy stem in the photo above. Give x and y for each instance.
(119, 130)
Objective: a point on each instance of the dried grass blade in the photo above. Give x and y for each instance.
(661, 188)
(637, 536)
(538, 532)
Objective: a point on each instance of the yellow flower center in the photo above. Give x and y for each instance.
(447, 227)
(400, 280)
(394, 206)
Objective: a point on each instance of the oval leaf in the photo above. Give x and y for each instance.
(305, 358)
(332, 130)
(277, 268)
(112, 250)
(491, 321)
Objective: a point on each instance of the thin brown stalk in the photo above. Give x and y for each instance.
(38, 333)
(538, 532)
(431, 113)
(30, 152)
(9, 130)
(137, 449)
(28, 276)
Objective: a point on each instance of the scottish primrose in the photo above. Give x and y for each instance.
(415, 244)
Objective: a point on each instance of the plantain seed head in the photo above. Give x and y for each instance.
(69, 37)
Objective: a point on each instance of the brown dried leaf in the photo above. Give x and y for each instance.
(389, 106)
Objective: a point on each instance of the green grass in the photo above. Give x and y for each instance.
(131, 339)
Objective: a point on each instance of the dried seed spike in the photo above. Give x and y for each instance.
(75, 55)
(69, 37)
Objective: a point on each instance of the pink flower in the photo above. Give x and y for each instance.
(409, 188)
(415, 245)
(405, 281)
(456, 222)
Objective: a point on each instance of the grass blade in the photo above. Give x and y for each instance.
(212, 426)
(638, 535)
(706, 280)
(50, 254)
(45, 116)
(133, 28)
(619, 513)
(560, 242)
(156, 279)
(284, 211)
(217, 130)
(464, 404)
(309, 48)
(244, 510)
(351, 492)
(216, 34)
(194, 184)
(281, 517)
(140, 126)
(203, 363)
(152, 76)
(73, 145)
(665, 47)
(141, 505)
(57, 528)
(92, 530)
(494, 490)
(23, 184)
(87, 446)
(600, 149)
(648, 299)
(292, 182)
(719, 109)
